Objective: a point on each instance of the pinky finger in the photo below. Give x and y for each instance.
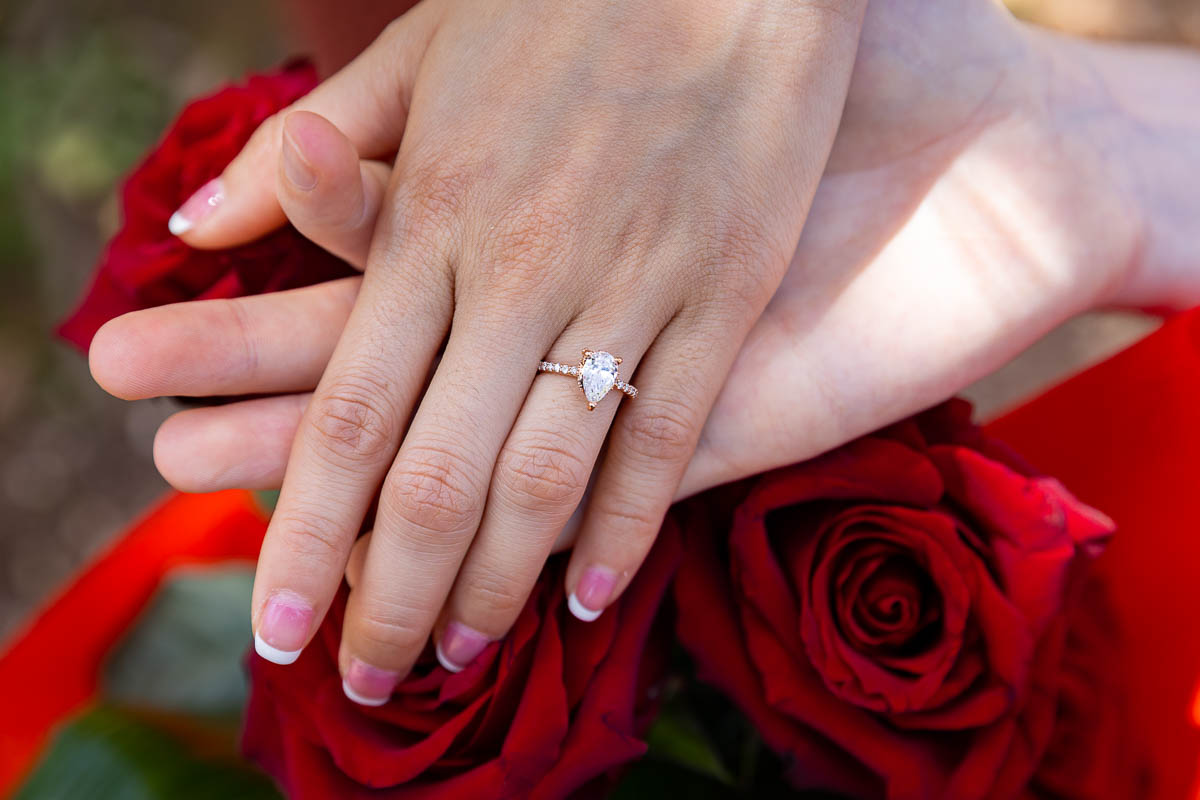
(648, 451)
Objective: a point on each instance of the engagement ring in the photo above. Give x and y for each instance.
(596, 373)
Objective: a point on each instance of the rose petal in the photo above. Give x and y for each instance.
(602, 733)
(707, 629)
(1037, 527)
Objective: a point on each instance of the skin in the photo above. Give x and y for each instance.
(610, 175)
(988, 181)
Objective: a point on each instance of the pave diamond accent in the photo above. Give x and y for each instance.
(597, 375)
(561, 369)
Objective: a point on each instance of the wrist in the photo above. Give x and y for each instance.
(1056, 149)
(1128, 119)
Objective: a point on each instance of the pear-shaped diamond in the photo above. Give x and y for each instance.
(598, 375)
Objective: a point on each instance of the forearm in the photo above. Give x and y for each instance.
(1034, 195)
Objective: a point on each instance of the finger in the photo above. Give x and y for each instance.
(239, 446)
(432, 500)
(265, 344)
(349, 435)
(367, 100)
(358, 553)
(539, 480)
(346, 441)
(358, 556)
(648, 451)
(325, 191)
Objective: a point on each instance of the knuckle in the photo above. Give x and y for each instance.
(739, 261)
(631, 526)
(314, 537)
(382, 628)
(635, 236)
(532, 231)
(526, 240)
(541, 473)
(433, 491)
(660, 431)
(431, 198)
(499, 594)
(231, 315)
(352, 421)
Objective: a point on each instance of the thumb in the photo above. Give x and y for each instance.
(327, 193)
(367, 100)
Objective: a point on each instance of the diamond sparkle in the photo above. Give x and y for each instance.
(598, 375)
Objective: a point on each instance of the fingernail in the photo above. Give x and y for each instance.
(197, 207)
(286, 621)
(367, 685)
(592, 593)
(297, 169)
(459, 646)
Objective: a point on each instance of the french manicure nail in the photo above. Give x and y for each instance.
(197, 207)
(367, 685)
(297, 169)
(284, 627)
(592, 593)
(459, 646)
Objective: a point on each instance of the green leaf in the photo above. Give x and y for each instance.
(678, 737)
(184, 656)
(267, 498)
(108, 754)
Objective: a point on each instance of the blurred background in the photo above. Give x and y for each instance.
(85, 89)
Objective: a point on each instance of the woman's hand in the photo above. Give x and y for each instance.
(939, 297)
(609, 176)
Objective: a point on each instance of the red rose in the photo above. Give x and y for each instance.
(890, 615)
(555, 705)
(144, 265)
(1092, 755)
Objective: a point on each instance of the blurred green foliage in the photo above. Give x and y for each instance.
(79, 114)
(171, 701)
(110, 754)
(184, 656)
(76, 111)
(86, 88)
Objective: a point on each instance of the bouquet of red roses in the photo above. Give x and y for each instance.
(913, 615)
